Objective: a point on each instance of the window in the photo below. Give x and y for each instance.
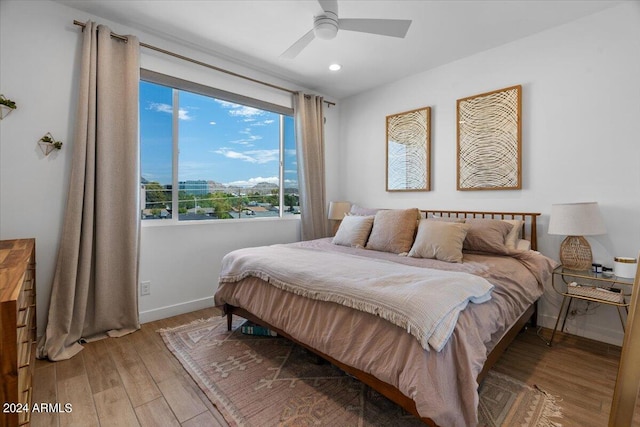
(206, 154)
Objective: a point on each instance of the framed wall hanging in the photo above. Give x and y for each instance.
(490, 140)
(409, 151)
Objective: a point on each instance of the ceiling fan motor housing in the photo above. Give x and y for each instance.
(325, 26)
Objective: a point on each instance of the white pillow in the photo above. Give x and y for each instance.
(441, 240)
(353, 231)
(523, 245)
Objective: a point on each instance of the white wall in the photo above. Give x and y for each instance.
(581, 136)
(38, 69)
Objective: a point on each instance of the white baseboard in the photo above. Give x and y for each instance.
(176, 309)
(594, 332)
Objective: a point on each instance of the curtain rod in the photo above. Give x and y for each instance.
(203, 64)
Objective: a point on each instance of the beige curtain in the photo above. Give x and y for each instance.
(309, 123)
(94, 286)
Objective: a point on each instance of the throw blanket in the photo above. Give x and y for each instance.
(426, 302)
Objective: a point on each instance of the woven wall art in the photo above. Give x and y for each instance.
(489, 141)
(408, 151)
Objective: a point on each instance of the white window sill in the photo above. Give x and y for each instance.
(176, 223)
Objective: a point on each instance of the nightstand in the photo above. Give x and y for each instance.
(590, 287)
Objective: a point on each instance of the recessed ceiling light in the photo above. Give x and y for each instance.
(335, 67)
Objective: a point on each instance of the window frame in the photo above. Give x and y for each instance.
(178, 84)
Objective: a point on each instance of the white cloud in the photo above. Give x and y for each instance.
(265, 156)
(253, 181)
(162, 108)
(242, 111)
(248, 140)
(245, 111)
(227, 104)
(212, 123)
(183, 114)
(250, 156)
(262, 123)
(235, 155)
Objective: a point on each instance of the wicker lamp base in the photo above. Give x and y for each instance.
(575, 253)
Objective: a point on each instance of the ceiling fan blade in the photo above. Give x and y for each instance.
(329, 5)
(297, 47)
(385, 27)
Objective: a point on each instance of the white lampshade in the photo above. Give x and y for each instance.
(576, 219)
(337, 210)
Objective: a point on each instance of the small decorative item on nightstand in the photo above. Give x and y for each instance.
(575, 220)
(625, 267)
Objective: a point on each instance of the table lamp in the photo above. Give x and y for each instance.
(576, 220)
(337, 211)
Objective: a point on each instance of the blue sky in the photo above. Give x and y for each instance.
(219, 140)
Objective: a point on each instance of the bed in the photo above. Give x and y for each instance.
(436, 383)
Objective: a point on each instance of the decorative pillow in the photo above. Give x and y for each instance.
(511, 241)
(359, 210)
(353, 231)
(487, 235)
(440, 240)
(393, 230)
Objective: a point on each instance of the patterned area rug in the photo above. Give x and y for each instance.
(265, 381)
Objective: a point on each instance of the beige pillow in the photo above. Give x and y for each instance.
(487, 235)
(511, 241)
(353, 231)
(441, 240)
(393, 230)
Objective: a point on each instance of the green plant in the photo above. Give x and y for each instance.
(9, 103)
(49, 140)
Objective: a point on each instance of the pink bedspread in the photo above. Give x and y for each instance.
(443, 384)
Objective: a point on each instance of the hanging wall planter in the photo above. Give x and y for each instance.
(48, 143)
(6, 106)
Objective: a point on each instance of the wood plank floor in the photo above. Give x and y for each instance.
(136, 381)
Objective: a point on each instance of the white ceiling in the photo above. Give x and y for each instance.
(256, 32)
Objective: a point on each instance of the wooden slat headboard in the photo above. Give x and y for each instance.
(529, 227)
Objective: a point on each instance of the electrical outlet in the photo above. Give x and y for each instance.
(145, 288)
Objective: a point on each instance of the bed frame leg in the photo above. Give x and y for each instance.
(534, 317)
(229, 312)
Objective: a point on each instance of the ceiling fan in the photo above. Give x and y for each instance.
(327, 24)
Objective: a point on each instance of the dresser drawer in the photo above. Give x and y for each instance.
(18, 328)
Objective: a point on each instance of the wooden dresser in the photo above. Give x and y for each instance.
(17, 329)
